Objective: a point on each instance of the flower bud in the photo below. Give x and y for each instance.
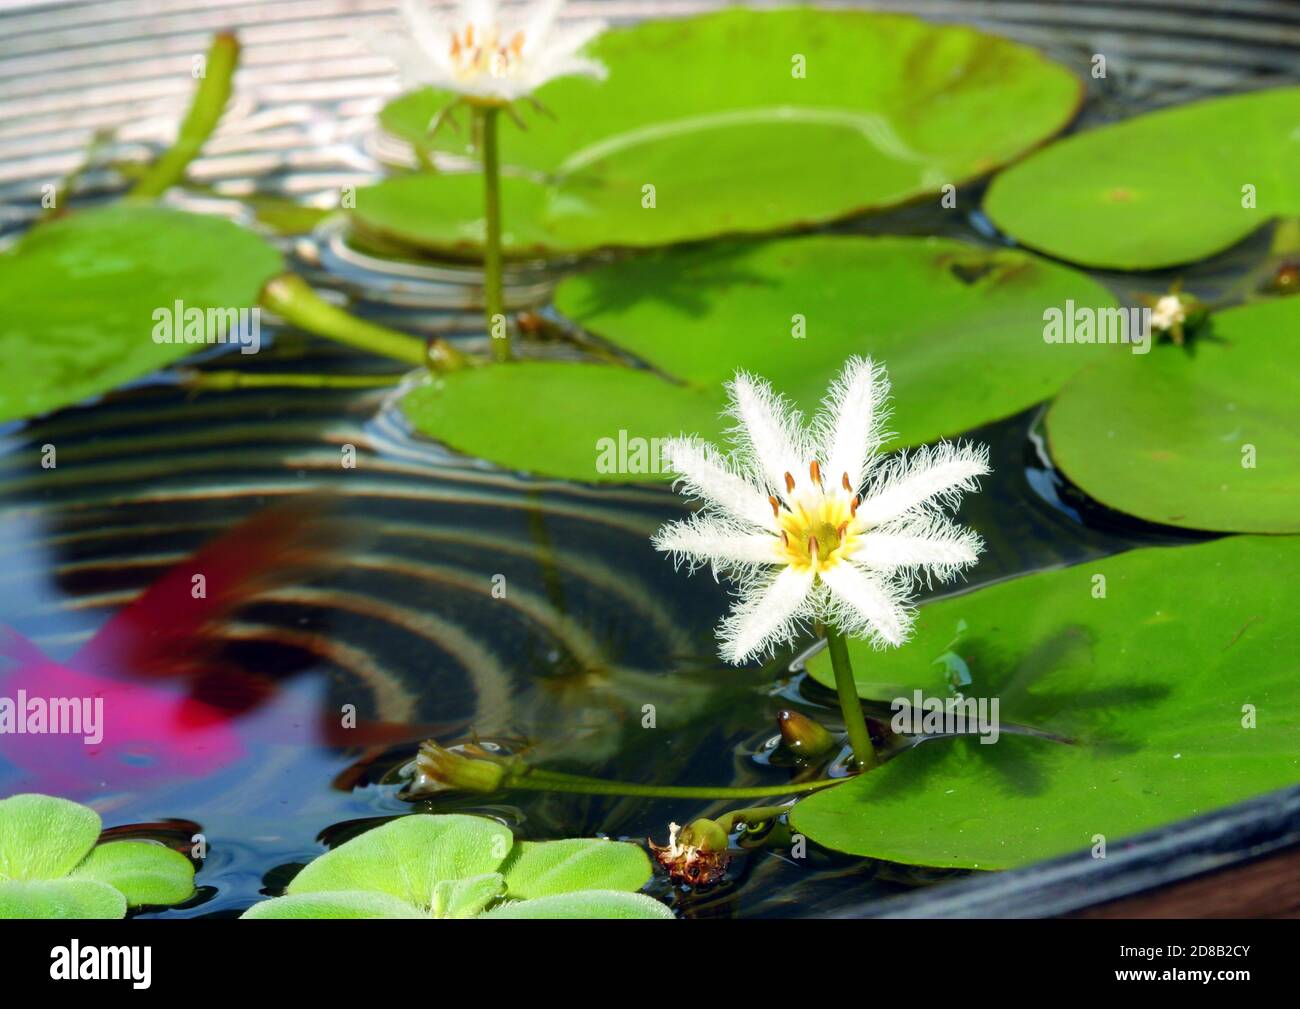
(467, 768)
(802, 735)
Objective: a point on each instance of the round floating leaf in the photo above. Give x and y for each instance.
(338, 904)
(80, 295)
(934, 311)
(43, 837)
(826, 115)
(1161, 189)
(406, 857)
(1202, 438)
(144, 872)
(584, 904)
(1133, 692)
(542, 869)
(60, 898)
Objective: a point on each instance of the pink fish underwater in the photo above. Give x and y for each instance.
(146, 697)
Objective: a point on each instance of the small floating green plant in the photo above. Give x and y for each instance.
(456, 866)
(52, 864)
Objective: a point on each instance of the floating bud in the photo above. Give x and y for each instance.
(802, 735)
(466, 768)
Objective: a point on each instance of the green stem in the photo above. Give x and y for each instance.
(494, 298)
(550, 781)
(205, 112)
(292, 298)
(222, 380)
(850, 706)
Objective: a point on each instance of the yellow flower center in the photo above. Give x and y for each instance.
(485, 52)
(817, 526)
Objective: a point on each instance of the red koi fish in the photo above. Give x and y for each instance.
(145, 697)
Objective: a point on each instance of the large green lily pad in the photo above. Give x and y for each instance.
(1161, 189)
(934, 311)
(80, 295)
(1205, 438)
(889, 109)
(1153, 685)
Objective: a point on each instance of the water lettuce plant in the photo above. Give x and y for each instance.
(456, 866)
(52, 864)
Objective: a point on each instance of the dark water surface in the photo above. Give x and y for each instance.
(594, 624)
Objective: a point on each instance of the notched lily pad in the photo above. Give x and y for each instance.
(1132, 692)
(1202, 438)
(1161, 189)
(894, 108)
(934, 310)
(81, 292)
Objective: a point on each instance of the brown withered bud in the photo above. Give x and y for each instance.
(697, 855)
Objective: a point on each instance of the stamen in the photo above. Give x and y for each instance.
(785, 540)
(517, 43)
(845, 481)
(815, 471)
(776, 505)
(789, 482)
(469, 35)
(812, 546)
(843, 528)
(857, 500)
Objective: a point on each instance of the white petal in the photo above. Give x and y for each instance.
(700, 538)
(864, 606)
(540, 21)
(944, 553)
(943, 472)
(768, 430)
(851, 427)
(705, 474)
(767, 617)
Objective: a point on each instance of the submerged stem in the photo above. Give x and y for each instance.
(292, 298)
(549, 781)
(209, 103)
(850, 707)
(494, 299)
(224, 380)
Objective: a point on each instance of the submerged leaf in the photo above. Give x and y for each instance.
(1132, 692)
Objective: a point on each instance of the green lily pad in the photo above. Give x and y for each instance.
(1160, 189)
(1205, 438)
(80, 295)
(32, 899)
(934, 311)
(542, 869)
(775, 120)
(1169, 687)
(584, 904)
(145, 873)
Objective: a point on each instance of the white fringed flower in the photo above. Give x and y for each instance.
(488, 52)
(812, 523)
